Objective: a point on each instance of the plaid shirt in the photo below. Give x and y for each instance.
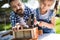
(14, 18)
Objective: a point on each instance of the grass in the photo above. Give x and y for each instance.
(3, 26)
(57, 27)
(58, 11)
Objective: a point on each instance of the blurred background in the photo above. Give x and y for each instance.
(5, 14)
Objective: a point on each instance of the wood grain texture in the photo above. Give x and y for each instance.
(26, 33)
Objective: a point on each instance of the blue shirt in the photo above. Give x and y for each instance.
(45, 17)
(14, 18)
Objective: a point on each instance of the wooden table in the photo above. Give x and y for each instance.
(50, 36)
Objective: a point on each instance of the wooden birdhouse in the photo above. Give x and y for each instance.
(30, 33)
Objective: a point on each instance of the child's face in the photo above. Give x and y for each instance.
(45, 5)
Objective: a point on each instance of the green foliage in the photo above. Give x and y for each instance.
(58, 12)
(24, 1)
(57, 27)
(3, 26)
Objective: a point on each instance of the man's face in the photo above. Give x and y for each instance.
(45, 5)
(16, 6)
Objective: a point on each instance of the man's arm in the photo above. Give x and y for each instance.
(28, 12)
(12, 19)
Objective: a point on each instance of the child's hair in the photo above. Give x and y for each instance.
(45, 0)
(56, 4)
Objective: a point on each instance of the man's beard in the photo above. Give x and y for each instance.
(20, 12)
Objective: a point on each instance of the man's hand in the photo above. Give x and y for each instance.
(16, 28)
(19, 26)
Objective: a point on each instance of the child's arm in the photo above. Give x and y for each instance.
(48, 25)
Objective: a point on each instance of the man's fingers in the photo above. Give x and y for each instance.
(14, 29)
(17, 26)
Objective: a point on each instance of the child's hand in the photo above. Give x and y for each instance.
(41, 24)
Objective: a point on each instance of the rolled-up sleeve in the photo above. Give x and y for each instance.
(28, 12)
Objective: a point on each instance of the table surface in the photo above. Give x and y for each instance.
(49, 37)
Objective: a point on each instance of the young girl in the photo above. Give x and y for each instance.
(45, 16)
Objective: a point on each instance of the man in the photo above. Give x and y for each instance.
(20, 13)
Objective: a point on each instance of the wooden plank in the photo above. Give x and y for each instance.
(32, 33)
(35, 32)
(19, 34)
(27, 34)
(25, 39)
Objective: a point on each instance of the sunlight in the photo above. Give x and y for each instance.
(5, 5)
